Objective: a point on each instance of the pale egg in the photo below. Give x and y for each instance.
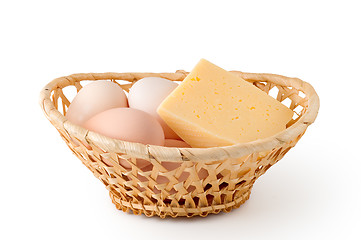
(147, 94)
(94, 98)
(176, 143)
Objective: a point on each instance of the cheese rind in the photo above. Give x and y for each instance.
(213, 107)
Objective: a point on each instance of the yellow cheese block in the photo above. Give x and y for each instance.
(213, 107)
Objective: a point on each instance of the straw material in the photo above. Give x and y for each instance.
(179, 181)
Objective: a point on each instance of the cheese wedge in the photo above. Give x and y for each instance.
(213, 107)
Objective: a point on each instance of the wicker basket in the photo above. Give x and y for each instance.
(230, 171)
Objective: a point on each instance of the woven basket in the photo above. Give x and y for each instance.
(229, 171)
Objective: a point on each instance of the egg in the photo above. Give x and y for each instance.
(147, 94)
(176, 143)
(170, 166)
(94, 98)
(130, 125)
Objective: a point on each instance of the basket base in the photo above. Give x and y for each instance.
(164, 211)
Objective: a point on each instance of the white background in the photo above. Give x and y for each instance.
(312, 193)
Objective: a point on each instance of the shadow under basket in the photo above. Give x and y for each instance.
(179, 181)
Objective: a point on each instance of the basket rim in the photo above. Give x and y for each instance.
(162, 153)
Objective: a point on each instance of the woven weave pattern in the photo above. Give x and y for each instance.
(179, 182)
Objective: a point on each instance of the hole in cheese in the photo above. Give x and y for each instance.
(237, 111)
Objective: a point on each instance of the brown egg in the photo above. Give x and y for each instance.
(128, 125)
(202, 174)
(140, 163)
